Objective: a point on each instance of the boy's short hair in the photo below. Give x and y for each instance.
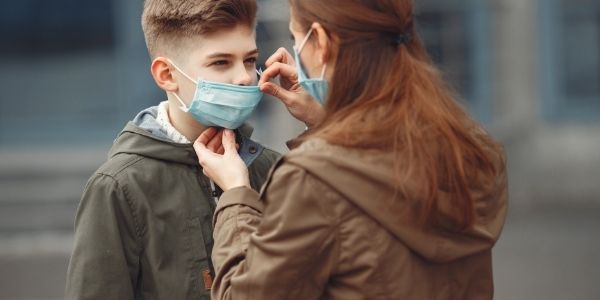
(168, 22)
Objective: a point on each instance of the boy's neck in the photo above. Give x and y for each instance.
(184, 122)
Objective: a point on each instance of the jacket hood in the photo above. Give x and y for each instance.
(368, 182)
(144, 136)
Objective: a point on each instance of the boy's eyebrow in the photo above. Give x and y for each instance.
(253, 52)
(228, 55)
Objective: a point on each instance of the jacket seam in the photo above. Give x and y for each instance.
(129, 202)
(133, 161)
(332, 195)
(238, 212)
(127, 194)
(136, 222)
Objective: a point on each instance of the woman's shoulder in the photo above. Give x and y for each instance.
(320, 150)
(336, 165)
(316, 153)
(313, 144)
(318, 147)
(312, 156)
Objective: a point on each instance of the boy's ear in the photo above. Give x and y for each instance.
(324, 43)
(161, 72)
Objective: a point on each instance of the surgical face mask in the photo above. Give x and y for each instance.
(315, 87)
(219, 104)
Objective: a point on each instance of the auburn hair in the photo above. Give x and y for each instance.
(385, 93)
(166, 23)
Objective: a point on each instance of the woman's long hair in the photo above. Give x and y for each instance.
(387, 94)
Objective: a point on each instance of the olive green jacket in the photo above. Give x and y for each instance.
(143, 229)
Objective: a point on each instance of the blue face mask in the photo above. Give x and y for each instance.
(219, 104)
(315, 87)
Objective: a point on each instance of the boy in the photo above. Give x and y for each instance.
(144, 225)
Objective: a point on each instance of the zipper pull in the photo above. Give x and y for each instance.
(215, 195)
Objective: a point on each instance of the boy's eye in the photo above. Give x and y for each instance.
(220, 63)
(251, 60)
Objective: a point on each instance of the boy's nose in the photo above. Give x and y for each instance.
(243, 77)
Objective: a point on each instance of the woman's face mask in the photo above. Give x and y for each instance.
(217, 104)
(318, 87)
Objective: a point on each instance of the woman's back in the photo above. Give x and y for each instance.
(343, 232)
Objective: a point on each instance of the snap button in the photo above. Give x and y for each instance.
(252, 149)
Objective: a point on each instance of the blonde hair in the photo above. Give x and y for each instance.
(170, 22)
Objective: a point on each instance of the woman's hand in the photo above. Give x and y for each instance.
(298, 102)
(227, 170)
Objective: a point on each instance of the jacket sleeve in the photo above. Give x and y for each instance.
(104, 263)
(286, 253)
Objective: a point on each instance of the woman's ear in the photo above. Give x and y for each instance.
(163, 75)
(324, 43)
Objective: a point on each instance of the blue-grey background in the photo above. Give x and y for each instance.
(73, 72)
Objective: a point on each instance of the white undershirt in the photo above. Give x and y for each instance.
(163, 120)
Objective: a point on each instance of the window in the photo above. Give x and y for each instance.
(570, 65)
(74, 72)
(58, 26)
(456, 34)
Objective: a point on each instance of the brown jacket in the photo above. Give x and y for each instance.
(326, 226)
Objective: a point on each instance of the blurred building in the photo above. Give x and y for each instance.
(73, 72)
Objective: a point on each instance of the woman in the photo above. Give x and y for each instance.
(393, 193)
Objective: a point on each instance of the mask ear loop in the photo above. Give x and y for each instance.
(259, 73)
(304, 41)
(323, 72)
(302, 47)
(182, 72)
(183, 105)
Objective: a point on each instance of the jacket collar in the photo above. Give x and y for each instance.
(135, 140)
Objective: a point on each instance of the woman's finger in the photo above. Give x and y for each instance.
(282, 56)
(206, 136)
(278, 92)
(215, 142)
(279, 69)
(201, 150)
(204, 154)
(229, 141)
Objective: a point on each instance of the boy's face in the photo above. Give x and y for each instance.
(226, 56)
